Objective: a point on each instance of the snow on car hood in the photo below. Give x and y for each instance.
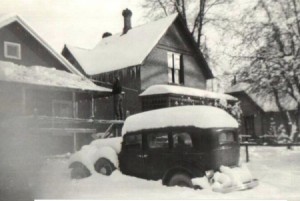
(197, 116)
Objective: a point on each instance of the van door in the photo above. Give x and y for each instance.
(157, 151)
(131, 157)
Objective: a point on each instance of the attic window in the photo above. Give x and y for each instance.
(12, 50)
(175, 68)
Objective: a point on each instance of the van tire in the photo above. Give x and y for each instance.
(79, 171)
(104, 166)
(180, 179)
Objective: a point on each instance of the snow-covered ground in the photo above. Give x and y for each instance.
(278, 170)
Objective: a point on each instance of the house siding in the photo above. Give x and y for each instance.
(251, 110)
(130, 79)
(32, 52)
(155, 68)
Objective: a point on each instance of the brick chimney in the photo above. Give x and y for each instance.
(127, 20)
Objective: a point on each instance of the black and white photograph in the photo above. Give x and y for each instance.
(149, 100)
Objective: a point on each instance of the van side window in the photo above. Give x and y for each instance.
(133, 141)
(182, 140)
(158, 140)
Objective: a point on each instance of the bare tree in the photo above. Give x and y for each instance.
(271, 38)
(194, 13)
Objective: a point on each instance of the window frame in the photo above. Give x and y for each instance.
(158, 134)
(63, 102)
(175, 68)
(188, 142)
(8, 44)
(129, 146)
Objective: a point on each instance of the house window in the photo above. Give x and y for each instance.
(12, 50)
(62, 108)
(175, 68)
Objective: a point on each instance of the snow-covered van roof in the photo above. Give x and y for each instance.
(39, 75)
(197, 116)
(188, 91)
(6, 19)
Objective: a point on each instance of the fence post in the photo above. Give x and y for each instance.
(247, 154)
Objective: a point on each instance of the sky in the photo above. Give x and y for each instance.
(75, 22)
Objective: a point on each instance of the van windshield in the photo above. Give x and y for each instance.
(227, 136)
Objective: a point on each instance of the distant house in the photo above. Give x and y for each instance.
(260, 110)
(37, 81)
(162, 52)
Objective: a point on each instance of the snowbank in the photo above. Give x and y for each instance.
(40, 75)
(277, 169)
(228, 177)
(197, 116)
(89, 154)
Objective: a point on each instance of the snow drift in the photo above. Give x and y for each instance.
(102, 148)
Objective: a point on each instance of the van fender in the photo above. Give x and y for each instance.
(109, 154)
(89, 155)
(170, 172)
(186, 167)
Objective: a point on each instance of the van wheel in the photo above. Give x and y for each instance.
(79, 171)
(104, 166)
(180, 179)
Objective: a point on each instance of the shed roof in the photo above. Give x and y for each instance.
(182, 90)
(265, 101)
(45, 76)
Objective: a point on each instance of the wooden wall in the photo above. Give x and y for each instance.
(33, 53)
(155, 68)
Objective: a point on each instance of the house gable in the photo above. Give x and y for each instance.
(32, 52)
(248, 106)
(175, 40)
(71, 58)
(34, 49)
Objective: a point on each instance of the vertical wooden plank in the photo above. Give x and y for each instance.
(74, 142)
(247, 154)
(93, 106)
(262, 123)
(74, 104)
(23, 100)
(74, 116)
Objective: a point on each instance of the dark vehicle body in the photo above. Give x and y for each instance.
(161, 153)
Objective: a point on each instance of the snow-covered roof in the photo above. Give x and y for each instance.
(122, 50)
(265, 101)
(242, 86)
(6, 19)
(39, 75)
(197, 116)
(187, 91)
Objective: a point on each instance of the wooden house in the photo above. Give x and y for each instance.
(260, 112)
(160, 52)
(38, 83)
